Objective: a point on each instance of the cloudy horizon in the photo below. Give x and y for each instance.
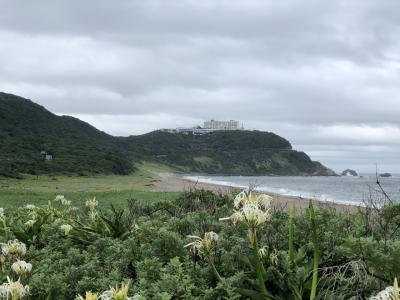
(324, 75)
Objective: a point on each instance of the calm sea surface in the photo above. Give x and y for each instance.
(345, 189)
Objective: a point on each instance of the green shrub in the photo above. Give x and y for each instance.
(144, 246)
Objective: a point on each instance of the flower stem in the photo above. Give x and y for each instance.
(258, 264)
(316, 252)
(5, 229)
(213, 268)
(291, 234)
(15, 295)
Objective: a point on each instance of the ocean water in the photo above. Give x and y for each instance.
(343, 189)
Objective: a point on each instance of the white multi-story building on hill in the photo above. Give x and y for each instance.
(221, 125)
(209, 127)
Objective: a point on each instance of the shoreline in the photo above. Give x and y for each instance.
(171, 182)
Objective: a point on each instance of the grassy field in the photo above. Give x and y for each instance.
(107, 189)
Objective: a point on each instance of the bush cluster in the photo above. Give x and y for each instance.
(202, 246)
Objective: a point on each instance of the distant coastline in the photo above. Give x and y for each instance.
(269, 191)
(171, 182)
(345, 190)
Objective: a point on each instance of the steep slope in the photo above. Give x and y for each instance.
(26, 129)
(226, 152)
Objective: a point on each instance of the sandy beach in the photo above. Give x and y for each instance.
(170, 182)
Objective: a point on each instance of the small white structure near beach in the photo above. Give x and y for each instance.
(46, 156)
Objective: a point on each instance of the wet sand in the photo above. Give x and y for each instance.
(170, 182)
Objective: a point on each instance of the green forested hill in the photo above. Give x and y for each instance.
(77, 147)
(27, 128)
(226, 152)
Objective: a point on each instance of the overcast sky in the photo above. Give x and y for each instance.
(323, 74)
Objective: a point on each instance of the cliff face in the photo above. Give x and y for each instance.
(324, 171)
(27, 129)
(226, 153)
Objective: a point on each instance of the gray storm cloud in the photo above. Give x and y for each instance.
(324, 74)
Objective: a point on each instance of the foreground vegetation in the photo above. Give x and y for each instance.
(115, 189)
(197, 246)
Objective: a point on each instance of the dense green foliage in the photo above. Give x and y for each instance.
(356, 254)
(225, 152)
(26, 129)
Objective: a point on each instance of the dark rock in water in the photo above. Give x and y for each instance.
(385, 175)
(349, 172)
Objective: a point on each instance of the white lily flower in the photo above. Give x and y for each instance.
(263, 252)
(239, 199)
(117, 293)
(204, 245)
(62, 200)
(13, 288)
(88, 296)
(264, 201)
(250, 215)
(253, 215)
(30, 223)
(2, 215)
(65, 202)
(248, 197)
(66, 228)
(273, 257)
(390, 293)
(21, 267)
(93, 214)
(59, 198)
(252, 210)
(30, 206)
(13, 248)
(91, 203)
(386, 294)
